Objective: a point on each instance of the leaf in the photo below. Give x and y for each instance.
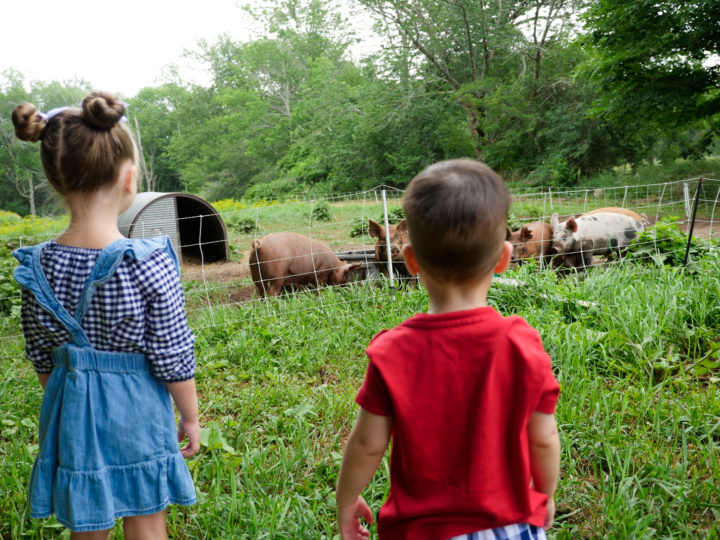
(212, 438)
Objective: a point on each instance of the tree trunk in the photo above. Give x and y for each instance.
(477, 134)
(31, 194)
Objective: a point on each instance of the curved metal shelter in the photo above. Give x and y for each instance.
(195, 228)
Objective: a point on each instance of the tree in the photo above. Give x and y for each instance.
(656, 62)
(481, 49)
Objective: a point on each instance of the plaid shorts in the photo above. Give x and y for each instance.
(519, 531)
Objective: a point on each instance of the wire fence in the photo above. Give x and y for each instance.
(331, 235)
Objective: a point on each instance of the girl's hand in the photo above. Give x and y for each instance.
(349, 520)
(191, 429)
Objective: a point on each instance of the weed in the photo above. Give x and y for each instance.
(321, 212)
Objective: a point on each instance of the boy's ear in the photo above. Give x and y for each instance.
(504, 259)
(410, 260)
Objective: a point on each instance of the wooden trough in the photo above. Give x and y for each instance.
(370, 268)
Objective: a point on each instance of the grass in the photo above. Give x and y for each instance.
(634, 346)
(640, 423)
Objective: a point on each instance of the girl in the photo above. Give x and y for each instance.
(105, 327)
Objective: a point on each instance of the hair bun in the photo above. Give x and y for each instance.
(102, 110)
(28, 122)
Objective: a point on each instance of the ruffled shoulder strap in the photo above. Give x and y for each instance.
(29, 275)
(111, 257)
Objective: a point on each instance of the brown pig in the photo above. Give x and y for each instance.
(398, 238)
(284, 258)
(531, 240)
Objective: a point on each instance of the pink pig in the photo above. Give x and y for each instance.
(284, 258)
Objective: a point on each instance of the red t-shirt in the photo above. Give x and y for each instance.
(461, 388)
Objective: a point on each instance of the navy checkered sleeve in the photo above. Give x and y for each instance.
(168, 339)
(39, 340)
(140, 309)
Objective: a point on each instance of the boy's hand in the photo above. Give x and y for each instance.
(349, 522)
(191, 429)
(549, 513)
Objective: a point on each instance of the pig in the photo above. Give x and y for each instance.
(578, 239)
(642, 218)
(532, 240)
(398, 238)
(284, 258)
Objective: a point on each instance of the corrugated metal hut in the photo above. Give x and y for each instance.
(195, 228)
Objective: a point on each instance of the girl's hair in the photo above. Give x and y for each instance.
(81, 149)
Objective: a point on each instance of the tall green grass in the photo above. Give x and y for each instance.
(635, 349)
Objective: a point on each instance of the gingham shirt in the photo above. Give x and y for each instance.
(140, 309)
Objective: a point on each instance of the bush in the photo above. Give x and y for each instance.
(321, 212)
(665, 244)
(282, 188)
(244, 225)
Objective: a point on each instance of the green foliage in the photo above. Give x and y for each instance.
(9, 289)
(243, 225)
(664, 78)
(665, 244)
(321, 211)
(32, 229)
(8, 217)
(555, 171)
(280, 189)
(513, 222)
(360, 226)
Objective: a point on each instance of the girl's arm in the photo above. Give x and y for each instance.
(363, 453)
(185, 398)
(43, 378)
(544, 458)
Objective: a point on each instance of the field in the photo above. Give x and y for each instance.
(635, 347)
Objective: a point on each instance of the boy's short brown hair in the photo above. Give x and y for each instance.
(456, 214)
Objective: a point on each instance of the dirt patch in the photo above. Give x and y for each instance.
(702, 229)
(218, 271)
(243, 294)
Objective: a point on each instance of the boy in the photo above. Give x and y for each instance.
(467, 395)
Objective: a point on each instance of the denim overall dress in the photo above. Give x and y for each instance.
(108, 436)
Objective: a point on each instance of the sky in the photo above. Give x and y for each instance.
(119, 46)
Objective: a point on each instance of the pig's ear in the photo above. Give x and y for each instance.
(402, 226)
(347, 270)
(508, 233)
(554, 221)
(525, 233)
(375, 230)
(572, 224)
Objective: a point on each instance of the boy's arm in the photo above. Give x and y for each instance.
(544, 443)
(363, 453)
(185, 398)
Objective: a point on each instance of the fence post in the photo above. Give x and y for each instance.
(692, 222)
(387, 238)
